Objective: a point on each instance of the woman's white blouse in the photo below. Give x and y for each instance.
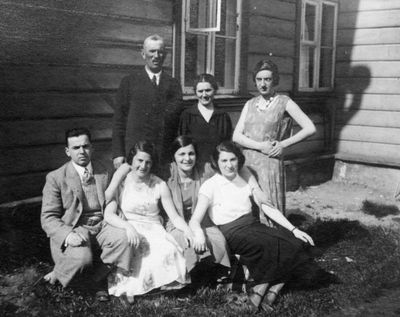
(229, 200)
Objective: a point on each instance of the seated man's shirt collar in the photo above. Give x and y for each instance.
(81, 170)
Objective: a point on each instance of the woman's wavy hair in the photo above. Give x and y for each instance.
(267, 64)
(226, 146)
(179, 142)
(147, 147)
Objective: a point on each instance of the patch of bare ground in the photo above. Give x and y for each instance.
(339, 200)
(369, 206)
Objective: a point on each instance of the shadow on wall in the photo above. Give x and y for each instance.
(351, 95)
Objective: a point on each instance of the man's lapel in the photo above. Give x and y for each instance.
(74, 181)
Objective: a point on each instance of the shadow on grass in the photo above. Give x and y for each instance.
(22, 237)
(379, 210)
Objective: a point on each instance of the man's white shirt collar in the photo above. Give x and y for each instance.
(151, 74)
(81, 170)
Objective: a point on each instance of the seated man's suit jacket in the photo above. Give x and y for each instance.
(62, 199)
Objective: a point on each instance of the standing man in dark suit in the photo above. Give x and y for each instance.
(148, 104)
(72, 215)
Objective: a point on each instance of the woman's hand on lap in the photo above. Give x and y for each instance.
(266, 147)
(133, 236)
(200, 245)
(276, 149)
(303, 236)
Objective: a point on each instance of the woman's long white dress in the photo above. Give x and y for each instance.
(158, 260)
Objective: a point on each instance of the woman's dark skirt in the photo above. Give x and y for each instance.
(270, 254)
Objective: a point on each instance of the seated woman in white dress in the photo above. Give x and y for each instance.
(158, 260)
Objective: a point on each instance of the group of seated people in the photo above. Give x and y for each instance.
(159, 226)
(210, 217)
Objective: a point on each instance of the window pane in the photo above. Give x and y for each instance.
(328, 17)
(325, 68)
(225, 62)
(195, 57)
(309, 26)
(228, 18)
(202, 14)
(306, 73)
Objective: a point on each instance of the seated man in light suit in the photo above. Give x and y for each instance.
(72, 214)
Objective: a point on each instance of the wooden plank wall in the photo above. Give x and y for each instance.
(367, 79)
(271, 29)
(60, 65)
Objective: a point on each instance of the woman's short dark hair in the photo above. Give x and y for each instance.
(147, 147)
(267, 64)
(226, 146)
(206, 78)
(179, 142)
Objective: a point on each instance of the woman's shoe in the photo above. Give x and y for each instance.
(270, 297)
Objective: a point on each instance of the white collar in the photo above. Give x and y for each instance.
(151, 74)
(222, 180)
(205, 112)
(81, 170)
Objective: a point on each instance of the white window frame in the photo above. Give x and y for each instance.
(211, 34)
(316, 44)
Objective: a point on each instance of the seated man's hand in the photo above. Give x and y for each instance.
(75, 239)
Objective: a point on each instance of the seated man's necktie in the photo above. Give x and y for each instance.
(87, 177)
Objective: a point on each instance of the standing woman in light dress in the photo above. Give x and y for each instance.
(260, 127)
(158, 260)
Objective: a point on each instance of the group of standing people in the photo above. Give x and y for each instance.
(174, 202)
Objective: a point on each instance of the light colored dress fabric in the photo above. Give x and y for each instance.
(263, 124)
(158, 261)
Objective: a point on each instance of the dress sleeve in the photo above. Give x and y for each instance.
(207, 189)
(184, 124)
(227, 127)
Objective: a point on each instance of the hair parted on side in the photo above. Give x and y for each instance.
(226, 146)
(179, 142)
(144, 146)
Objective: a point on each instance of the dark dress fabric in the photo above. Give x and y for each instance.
(271, 254)
(206, 135)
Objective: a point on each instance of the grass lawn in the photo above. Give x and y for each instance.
(365, 260)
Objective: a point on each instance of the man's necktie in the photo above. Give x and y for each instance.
(87, 177)
(154, 81)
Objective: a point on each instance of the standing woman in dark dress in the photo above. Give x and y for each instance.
(204, 122)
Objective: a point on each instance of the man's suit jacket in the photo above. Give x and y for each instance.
(145, 112)
(62, 199)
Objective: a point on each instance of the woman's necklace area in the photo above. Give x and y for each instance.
(263, 103)
(139, 184)
(185, 183)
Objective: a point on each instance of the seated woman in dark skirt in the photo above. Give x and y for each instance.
(270, 254)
